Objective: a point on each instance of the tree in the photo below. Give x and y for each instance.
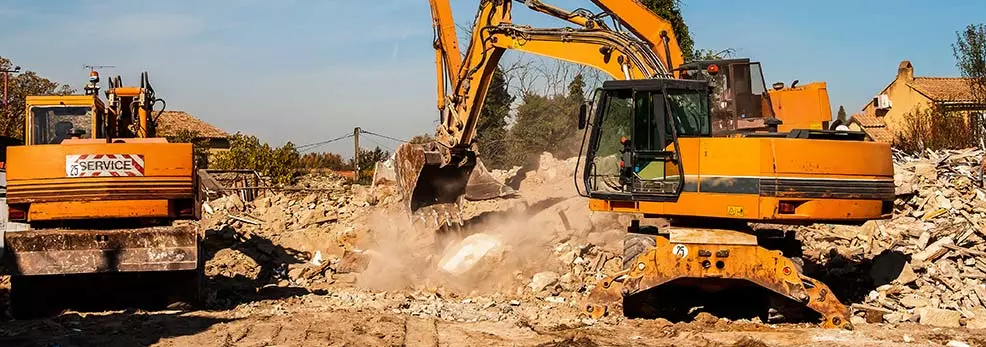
(326, 160)
(670, 10)
(248, 153)
(421, 139)
(970, 55)
(19, 87)
(576, 89)
(842, 115)
(491, 129)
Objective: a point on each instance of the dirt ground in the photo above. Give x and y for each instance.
(281, 273)
(317, 320)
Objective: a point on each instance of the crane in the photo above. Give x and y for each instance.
(650, 150)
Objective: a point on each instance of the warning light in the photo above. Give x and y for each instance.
(713, 69)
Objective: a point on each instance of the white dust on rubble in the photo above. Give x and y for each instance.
(503, 244)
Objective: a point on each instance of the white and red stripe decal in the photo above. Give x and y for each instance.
(104, 165)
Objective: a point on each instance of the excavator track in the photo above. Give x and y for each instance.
(711, 255)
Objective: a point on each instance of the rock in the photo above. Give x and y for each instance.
(933, 249)
(514, 303)
(705, 318)
(955, 343)
(913, 301)
(940, 318)
(296, 271)
(976, 323)
(235, 201)
(542, 280)
(926, 171)
(907, 275)
(855, 320)
(308, 200)
(923, 240)
(352, 262)
(908, 338)
(555, 299)
(873, 314)
(462, 257)
(893, 317)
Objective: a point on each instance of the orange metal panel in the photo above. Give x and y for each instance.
(98, 209)
(829, 158)
(48, 161)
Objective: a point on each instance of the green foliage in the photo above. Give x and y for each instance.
(842, 116)
(247, 152)
(546, 124)
(935, 129)
(576, 89)
(19, 86)
(326, 160)
(670, 10)
(200, 153)
(970, 55)
(367, 163)
(422, 139)
(708, 54)
(491, 128)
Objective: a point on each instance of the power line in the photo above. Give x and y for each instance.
(312, 146)
(384, 136)
(380, 144)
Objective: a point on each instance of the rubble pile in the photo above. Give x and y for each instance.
(301, 236)
(927, 264)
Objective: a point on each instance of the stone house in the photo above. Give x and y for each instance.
(883, 116)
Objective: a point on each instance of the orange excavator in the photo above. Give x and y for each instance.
(100, 195)
(666, 140)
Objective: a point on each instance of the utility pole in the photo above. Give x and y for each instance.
(6, 77)
(356, 132)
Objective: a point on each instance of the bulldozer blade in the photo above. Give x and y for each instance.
(424, 179)
(482, 185)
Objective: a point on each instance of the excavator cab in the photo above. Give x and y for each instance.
(742, 103)
(633, 152)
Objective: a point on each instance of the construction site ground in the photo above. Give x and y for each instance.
(332, 264)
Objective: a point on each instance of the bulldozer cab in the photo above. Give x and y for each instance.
(53, 119)
(633, 152)
(127, 113)
(740, 100)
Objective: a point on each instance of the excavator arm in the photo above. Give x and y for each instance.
(442, 171)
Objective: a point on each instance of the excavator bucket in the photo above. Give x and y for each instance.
(424, 179)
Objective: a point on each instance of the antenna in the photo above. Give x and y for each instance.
(92, 88)
(94, 67)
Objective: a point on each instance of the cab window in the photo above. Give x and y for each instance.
(53, 124)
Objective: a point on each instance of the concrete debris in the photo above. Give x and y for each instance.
(543, 280)
(955, 343)
(926, 264)
(940, 318)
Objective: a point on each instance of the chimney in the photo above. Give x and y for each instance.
(905, 71)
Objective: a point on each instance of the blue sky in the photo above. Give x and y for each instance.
(305, 71)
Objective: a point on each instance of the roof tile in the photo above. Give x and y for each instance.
(943, 88)
(171, 122)
(868, 120)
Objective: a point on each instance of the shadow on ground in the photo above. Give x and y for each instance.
(849, 279)
(228, 289)
(127, 309)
